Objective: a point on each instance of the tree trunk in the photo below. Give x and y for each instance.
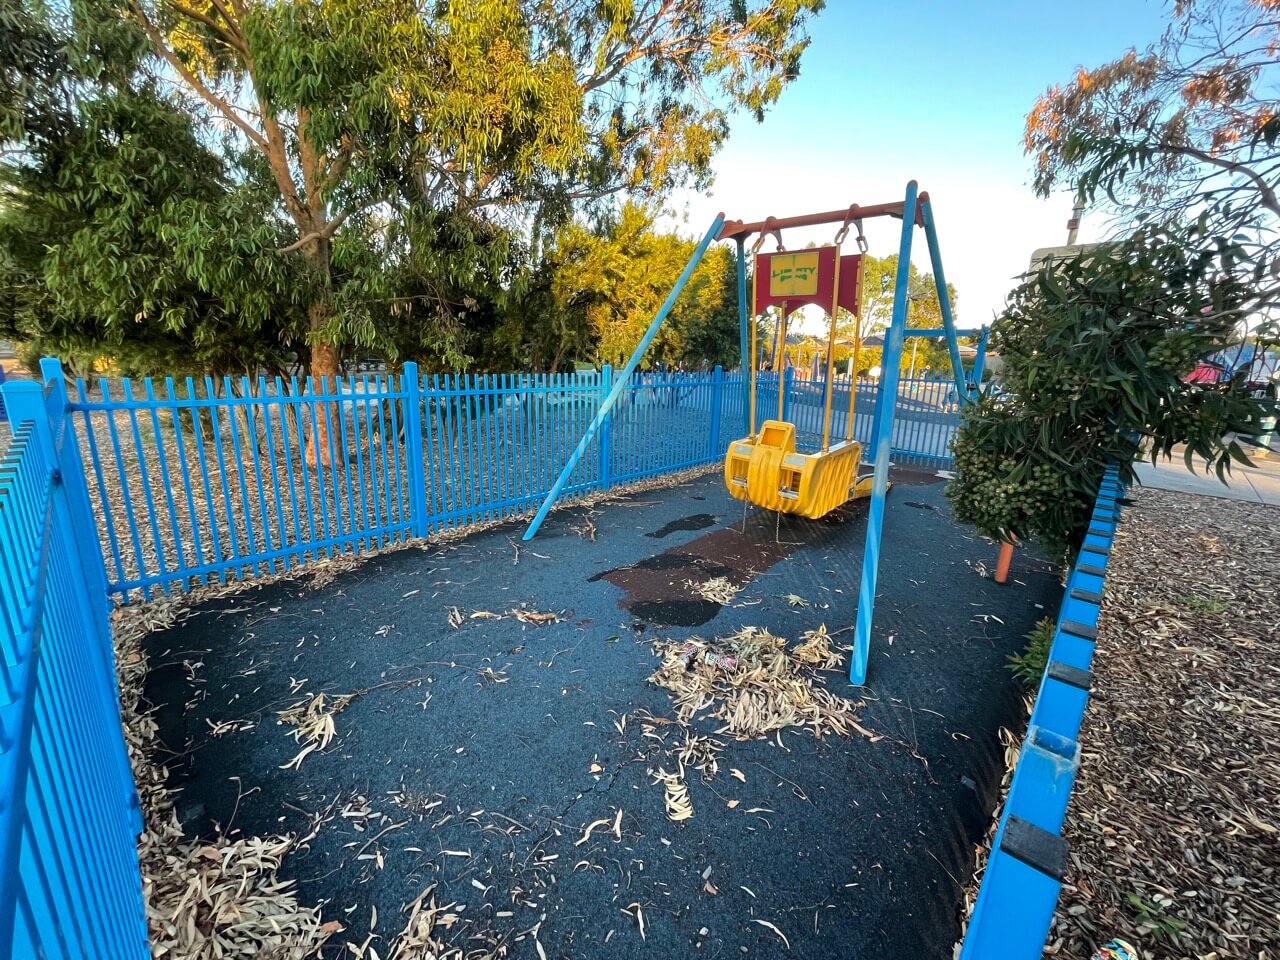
(324, 376)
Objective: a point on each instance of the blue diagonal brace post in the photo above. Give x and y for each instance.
(888, 394)
(980, 360)
(944, 300)
(623, 378)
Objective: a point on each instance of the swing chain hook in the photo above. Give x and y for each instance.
(765, 231)
(852, 218)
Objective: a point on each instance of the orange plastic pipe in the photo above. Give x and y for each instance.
(1003, 560)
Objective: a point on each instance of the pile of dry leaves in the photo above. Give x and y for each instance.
(755, 685)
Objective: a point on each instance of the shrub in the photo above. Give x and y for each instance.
(1029, 665)
(1094, 352)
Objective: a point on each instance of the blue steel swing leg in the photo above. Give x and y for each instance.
(980, 360)
(882, 435)
(944, 301)
(623, 379)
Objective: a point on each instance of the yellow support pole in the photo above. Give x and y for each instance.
(780, 359)
(853, 374)
(831, 357)
(751, 361)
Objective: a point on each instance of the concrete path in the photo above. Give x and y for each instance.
(1257, 484)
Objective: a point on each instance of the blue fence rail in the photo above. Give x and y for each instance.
(204, 480)
(1028, 860)
(69, 815)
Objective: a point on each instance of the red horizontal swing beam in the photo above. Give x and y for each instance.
(734, 229)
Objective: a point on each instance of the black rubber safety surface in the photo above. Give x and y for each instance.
(474, 756)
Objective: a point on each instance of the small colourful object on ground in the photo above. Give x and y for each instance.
(721, 661)
(1116, 950)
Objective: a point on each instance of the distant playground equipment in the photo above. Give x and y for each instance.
(765, 467)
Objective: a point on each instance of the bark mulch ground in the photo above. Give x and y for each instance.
(1174, 826)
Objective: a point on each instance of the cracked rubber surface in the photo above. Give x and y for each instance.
(856, 846)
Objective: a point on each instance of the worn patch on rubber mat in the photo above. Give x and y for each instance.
(658, 589)
(699, 521)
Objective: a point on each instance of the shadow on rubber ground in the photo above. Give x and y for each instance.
(477, 750)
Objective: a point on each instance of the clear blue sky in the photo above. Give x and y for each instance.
(932, 90)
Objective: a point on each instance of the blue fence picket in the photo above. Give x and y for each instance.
(69, 880)
(270, 476)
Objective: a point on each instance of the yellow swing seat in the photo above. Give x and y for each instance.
(769, 472)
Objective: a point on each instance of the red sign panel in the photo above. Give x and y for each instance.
(801, 277)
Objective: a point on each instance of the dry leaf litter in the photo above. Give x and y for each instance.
(1174, 823)
(225, 900)
(204, 900)
(755, 686)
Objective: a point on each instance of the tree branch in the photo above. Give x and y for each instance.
(1265, 190)
(232, 38)
(322, 234)
(194, 82)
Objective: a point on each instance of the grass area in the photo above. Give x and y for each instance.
(1207, 604)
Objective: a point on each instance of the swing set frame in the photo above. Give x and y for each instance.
(918, 205)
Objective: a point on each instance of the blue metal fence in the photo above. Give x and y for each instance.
(207, 480)
(1028, 859)
(926, 417)
(69, 816)
(186, 483)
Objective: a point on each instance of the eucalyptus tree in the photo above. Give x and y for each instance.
(499, 110)
(1180, 142)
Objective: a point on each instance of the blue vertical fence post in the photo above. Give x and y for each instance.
(624, 377)
(606, 429)
(70, 462)
(717, 405)
(413, 450)
(882, 438)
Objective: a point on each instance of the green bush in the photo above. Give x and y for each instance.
(1094, 352)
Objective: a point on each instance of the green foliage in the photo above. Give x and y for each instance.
(1029, 665)
(1094, 353)
(220, 187)
(598, 288)
(1154, 918)
(121, 232)
(1200, 603)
